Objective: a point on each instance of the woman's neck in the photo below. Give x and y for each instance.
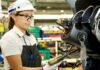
(22, 30)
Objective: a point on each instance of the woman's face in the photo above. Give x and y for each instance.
(23, 19)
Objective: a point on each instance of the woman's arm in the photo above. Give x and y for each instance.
(16, 63)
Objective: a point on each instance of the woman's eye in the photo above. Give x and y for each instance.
(26, 15)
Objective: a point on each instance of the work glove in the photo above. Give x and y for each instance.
(52, 67)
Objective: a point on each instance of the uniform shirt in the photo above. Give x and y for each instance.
(12, 43)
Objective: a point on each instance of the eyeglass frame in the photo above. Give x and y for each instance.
(26, 16)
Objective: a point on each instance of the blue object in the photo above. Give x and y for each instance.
(31, 56)
(63, 66)
(45, 35)
(90, 63)
(12, 10)
(1, 59)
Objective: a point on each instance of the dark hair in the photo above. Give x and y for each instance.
(12, 22)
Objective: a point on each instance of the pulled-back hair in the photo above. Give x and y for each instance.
(12, 22)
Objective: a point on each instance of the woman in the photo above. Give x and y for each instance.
(18, 45)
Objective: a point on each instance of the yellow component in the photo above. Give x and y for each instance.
(42, 57)
(43, 45)
(54, 31)
(46, 31)
(1, 27)
(31, 27)
(59, 31)
(75, 69)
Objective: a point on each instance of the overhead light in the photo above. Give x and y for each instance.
(48, 7)
(62, 11)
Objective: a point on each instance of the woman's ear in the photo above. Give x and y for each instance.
(13, 16)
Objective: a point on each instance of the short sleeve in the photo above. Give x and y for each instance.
(9, 46)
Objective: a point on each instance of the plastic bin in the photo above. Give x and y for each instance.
(45, 35)
(70, 68)
(0, 36)
(55, 35)
(45, 54)
(35, 31)
(37, 35)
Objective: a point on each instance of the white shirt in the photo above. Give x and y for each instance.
(12, 43)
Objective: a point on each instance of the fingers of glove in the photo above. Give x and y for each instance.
(46, 66)
(53, 67)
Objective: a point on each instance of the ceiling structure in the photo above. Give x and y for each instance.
(44, 6)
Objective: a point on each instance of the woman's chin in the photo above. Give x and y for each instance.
(27, 27)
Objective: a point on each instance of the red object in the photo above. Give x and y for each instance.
(61, 20)
(1, 35)
(42, 54)
(59, 68)
(33, 34)
(55, 35)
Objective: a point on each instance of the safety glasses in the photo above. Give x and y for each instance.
(26, 16)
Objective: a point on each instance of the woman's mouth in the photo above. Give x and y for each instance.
(27, 24)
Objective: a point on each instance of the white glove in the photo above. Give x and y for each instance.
(53, 67)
